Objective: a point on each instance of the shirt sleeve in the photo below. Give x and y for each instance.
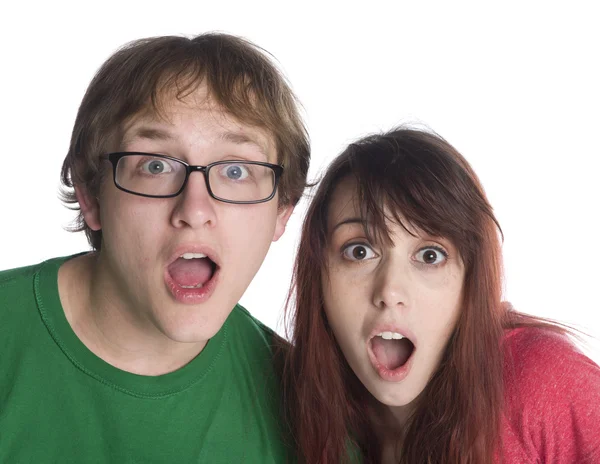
(552, 394)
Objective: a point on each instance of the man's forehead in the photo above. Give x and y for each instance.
(160, 122)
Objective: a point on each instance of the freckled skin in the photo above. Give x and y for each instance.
(390, 285)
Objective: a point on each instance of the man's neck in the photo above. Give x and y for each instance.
(104, 322)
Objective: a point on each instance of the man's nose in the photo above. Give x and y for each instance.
(195, 206)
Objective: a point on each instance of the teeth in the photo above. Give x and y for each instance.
(193, 255)
(192, 286)
(390, 335)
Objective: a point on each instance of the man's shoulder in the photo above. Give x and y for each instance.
(17, 288)
(251, 339)
(19, 309)
(255, 345)
(246, 325)
(19, 283)
(21, 294)
(16, 276)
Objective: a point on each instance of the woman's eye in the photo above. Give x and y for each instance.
(234, 171)
(431, 255)
(358, 252)
(156, 166)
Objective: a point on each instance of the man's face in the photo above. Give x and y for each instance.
(145, 239)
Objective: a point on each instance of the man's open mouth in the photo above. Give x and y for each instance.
(192, 270)
(391, 350)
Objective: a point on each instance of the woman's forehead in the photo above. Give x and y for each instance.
(345, 207)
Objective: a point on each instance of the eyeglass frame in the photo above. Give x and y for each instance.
(189, 168)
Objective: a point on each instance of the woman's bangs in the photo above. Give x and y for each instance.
(395, 191)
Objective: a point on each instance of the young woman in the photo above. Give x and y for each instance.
(403, 351)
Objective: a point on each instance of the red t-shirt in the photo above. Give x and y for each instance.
(552, 393)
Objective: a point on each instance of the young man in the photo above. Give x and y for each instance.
(186, 160)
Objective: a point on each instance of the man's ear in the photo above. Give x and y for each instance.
(90, 208)
(282, 218)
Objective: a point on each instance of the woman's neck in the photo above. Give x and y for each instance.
(389, 424)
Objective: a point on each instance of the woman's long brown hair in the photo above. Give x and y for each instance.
(457, 417)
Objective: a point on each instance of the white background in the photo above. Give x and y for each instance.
(515, 87)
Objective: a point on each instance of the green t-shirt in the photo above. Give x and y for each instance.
(61, 403)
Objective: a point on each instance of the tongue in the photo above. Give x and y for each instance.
(191, 272)
(391, 353)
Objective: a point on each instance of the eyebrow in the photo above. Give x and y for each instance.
(239, 138)
(154, 133)
(351, 220)
(150, 133)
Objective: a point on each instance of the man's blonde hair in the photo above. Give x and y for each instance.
(143, 74)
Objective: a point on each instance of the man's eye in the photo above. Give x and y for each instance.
(431, 255)
(156, 166)
(235, 171)
(358, 252)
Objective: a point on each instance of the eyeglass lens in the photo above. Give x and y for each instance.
(157, 176)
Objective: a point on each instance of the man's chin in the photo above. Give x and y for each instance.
(197, 324)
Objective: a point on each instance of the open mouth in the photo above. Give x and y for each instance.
(391, 350)
(192, 270)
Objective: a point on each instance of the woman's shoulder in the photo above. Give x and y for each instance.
(552, 396)
(541, 365)
(534, 347)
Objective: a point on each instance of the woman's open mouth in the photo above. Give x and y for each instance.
(391, 354)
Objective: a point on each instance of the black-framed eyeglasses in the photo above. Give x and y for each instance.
(161, 176)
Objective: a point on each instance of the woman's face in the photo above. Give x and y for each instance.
(392, 308)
